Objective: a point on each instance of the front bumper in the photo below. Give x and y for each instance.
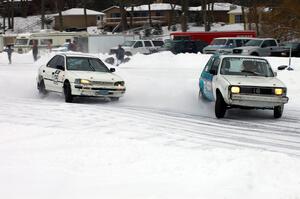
(96, 91)
(257, 101)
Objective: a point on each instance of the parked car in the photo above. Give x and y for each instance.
(62, 48)
(285, 48)
(79, 75)
(257, 47)
(139, 46)
(242, 82)
(183, 46)
(225, 45)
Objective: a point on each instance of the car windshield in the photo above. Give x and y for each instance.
(246, 67)
(218, 42)
(86, 64)
(21, 42)
(128, 43)
(254, 42)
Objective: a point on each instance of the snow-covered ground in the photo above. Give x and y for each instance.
(158, 141)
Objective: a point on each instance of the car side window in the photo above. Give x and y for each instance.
(138, 44)
(215, 64)
(268, 43)
(60, 61)
(52, 62)
(148, 44)
(209, 64)
(230, 42)
(239, 43)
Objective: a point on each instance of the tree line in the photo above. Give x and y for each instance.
(279, 16)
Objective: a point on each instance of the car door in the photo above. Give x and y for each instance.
(139, 47)
(48, 73)
(267, 47)
(207, 76)
(148, 47)
(58, 75)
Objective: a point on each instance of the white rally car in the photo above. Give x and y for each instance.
(242, 82)
(77, 74)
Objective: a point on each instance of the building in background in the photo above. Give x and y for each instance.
(162, 14)
(74, 19)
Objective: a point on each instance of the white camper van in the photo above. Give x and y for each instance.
(24, 42)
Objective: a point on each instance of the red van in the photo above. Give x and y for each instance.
(209, 36)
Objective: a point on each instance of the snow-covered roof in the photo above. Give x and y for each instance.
(237, 10)
(79, 11)
(217, 7)
(110, 8)
(155, 7)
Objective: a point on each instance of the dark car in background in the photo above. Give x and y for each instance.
(183, 46)
(284, 50)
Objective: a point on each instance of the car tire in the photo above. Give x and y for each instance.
(42, 88)
(114, 99)
(68, 92)
(278, 110)
(220, 106)
(128, 54)
(254, 54)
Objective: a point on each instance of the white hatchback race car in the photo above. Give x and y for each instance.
(242, 82)
(79, 75)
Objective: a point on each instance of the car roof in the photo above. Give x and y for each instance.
(236, 38)
(238, 56)
(76, 54)
(264, 38)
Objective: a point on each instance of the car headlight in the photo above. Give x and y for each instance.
(120, 83)
(82, 81)
(278, 91)
(235, 90)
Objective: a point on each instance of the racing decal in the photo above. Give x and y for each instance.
(55, 76)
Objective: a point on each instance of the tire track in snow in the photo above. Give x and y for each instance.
(173, 128)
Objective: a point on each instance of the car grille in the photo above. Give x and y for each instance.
(237, 51)
(101, 83)
(257, 90)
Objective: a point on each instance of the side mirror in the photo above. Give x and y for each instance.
(213, 72)
(275, 74)
(112, 70)
(59, 67)
(283, 67)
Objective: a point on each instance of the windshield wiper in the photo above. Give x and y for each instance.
(252, 72)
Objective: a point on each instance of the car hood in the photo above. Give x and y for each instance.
(254, 81)
(95, 76)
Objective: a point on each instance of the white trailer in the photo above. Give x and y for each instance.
(24, 42)
(103, 43)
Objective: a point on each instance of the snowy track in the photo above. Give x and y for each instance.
(159, 135)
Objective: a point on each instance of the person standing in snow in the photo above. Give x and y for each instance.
(120, 55)
(35, 51)
(9, 51)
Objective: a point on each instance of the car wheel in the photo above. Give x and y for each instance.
(68, 92)
(128, 53)
(114, 99)
(41, 88)
(278, 110)
(254, 54)
(220, 106)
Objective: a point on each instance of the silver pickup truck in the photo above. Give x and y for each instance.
(257, 47)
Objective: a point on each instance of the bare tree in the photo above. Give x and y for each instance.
(43, 13)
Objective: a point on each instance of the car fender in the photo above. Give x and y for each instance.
(221, 84)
